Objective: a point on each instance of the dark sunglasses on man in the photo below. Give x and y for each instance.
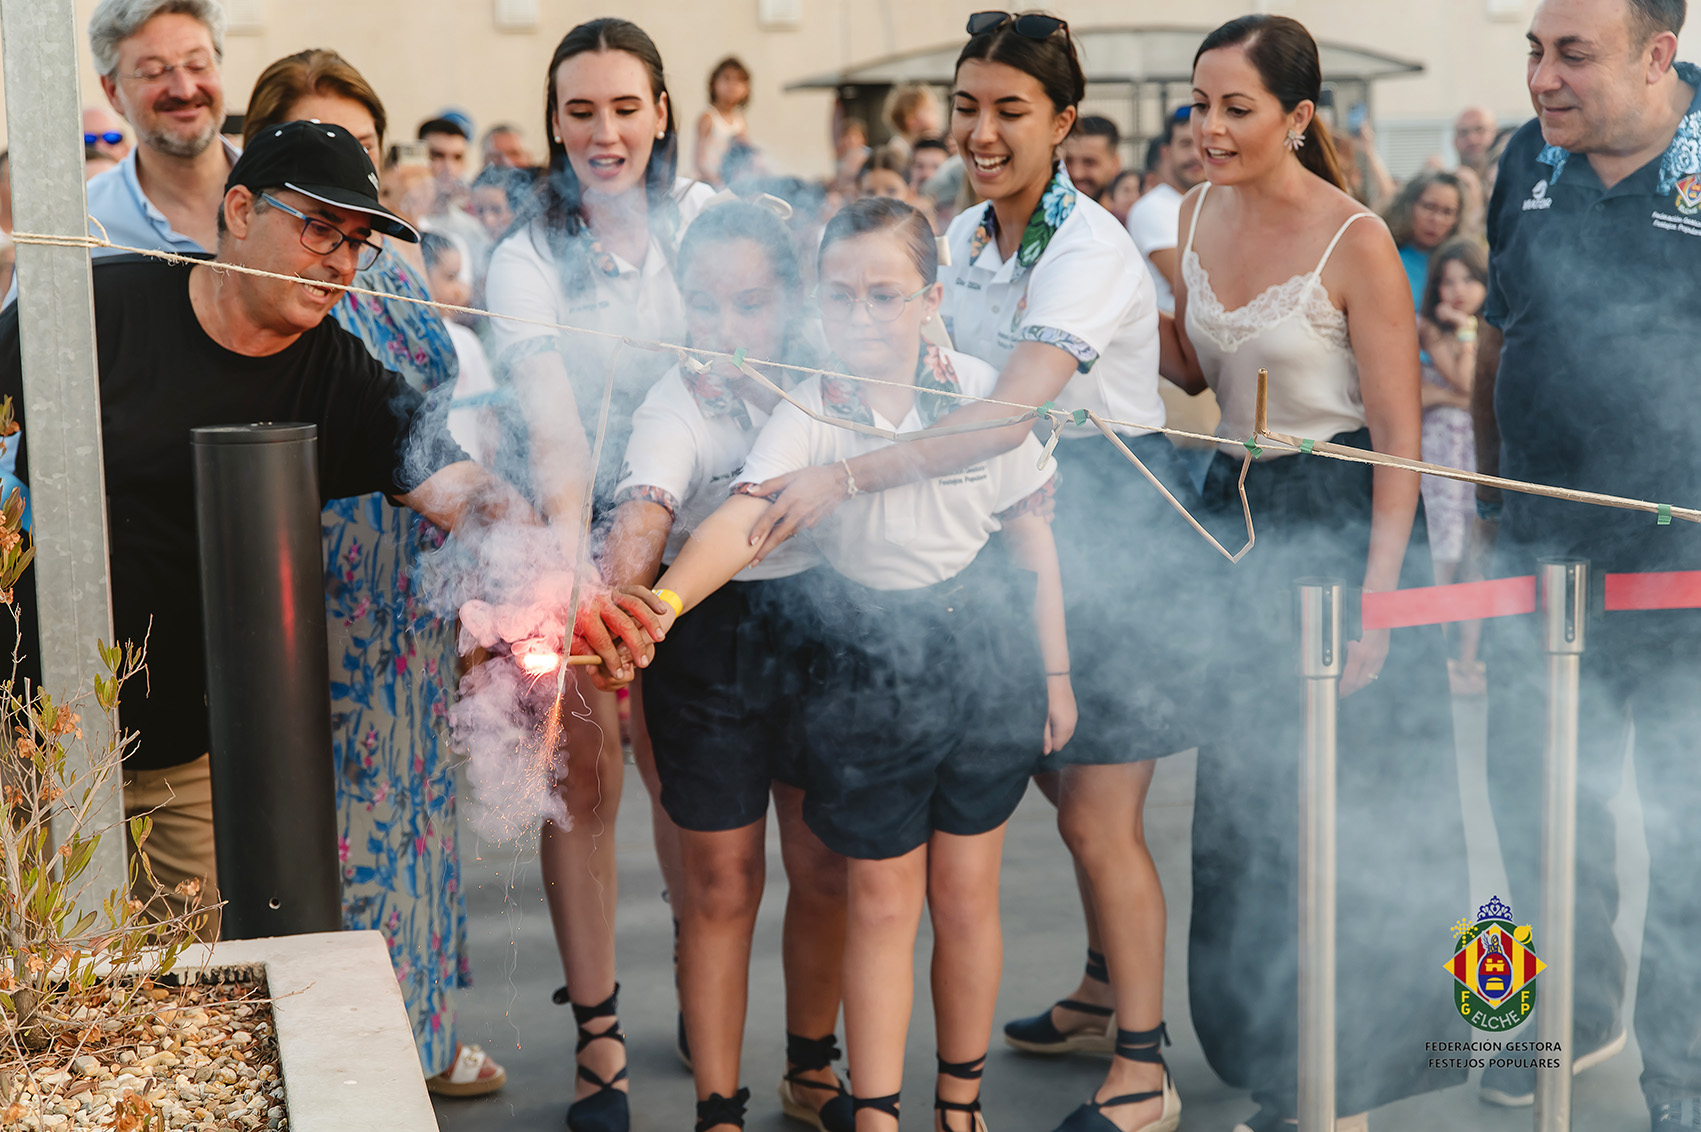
(1030, 25)
(110, 137)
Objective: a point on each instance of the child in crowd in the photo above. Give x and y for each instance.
(927, 703)
(472, 413)
(721, 721)
(1453, 297)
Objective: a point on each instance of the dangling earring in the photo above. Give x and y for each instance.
(1295, 142)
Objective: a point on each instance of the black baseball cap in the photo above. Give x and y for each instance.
(318, 160)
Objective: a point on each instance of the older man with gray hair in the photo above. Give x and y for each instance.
(159, 63)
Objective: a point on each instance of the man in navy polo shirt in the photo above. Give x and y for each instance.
(1590, 376)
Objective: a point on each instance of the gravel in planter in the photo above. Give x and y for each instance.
(195, 1058)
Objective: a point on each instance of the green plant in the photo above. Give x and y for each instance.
(61, 971)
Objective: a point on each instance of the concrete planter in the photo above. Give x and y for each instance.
(349, 1062)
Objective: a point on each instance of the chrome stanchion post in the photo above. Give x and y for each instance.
(1564, 614)
(1320, 660)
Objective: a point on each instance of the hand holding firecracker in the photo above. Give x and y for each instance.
(614, 630)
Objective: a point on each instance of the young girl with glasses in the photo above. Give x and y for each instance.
(937, 662)
(720, 711)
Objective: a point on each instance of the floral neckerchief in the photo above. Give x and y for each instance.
(715, 396)
(933, 373)
(1054, 208)
(1682, 157)
(603, 260)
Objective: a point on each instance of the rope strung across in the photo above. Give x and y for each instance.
(692, 356)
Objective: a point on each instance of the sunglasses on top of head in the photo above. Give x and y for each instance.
(110, 137)
(1030, 25)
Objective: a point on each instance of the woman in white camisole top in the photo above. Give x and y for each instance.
(1283, 271)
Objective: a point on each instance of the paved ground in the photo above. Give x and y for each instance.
(514, 956)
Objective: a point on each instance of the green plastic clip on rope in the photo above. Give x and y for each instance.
(1307, 445)
(738, 357)
(1251, 444)
(1664, 519)
(1045, 409)
(1079, 416)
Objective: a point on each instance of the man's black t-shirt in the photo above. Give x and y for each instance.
(1598, 293)
(160, 377)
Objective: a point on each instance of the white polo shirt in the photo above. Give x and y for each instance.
(1155, 224)
(1088, 294)
(683, 453)
(905, 537)
(640, 301)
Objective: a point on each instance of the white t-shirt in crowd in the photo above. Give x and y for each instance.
(1086, 294)
(905, 537)
(472, 415)
(637, 300)
(1155, 224)
(683, 454)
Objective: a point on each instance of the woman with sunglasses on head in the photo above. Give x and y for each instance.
(1045, 284)
(392, 659)
(926, 704)
(719, 701)
(594, 250)
(1282, 270)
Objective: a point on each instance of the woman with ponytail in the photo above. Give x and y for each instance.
(594, 250)
(1283, 271)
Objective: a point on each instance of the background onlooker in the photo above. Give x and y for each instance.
(913, 112)
(887, 174)
(1424, 214)
(1473, 134)
(1156, 216)
(723, 122)
(497, 194)
(1447, 330)
(929, 157)
(472, 413)
(1123, 192)
(99, 126)
(505, 147)
(447, 141)
(1092, 155)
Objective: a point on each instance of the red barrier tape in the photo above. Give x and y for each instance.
(1437, 605)
(1677, 589)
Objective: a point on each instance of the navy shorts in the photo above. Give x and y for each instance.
(924, 711)
(720, 701)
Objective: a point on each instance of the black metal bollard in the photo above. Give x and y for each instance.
(268, 678)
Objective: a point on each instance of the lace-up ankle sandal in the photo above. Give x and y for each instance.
(887, 1104)
(718, 1110)
(607, 1109)
(810, 1055)
(963, 1071)
(1040, 1034)
(1134, 1045)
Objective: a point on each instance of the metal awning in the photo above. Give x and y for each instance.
(1110, 56)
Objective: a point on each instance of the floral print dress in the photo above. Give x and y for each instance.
(392, 672)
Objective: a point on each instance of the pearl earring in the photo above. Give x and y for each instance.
(1296, 141)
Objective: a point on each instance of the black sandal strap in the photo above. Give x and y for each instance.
(722, 1110)
(560, 996)
(811, 1054)
(969, 1070)
(581, 1014)
(605, 1086)
(1080, 1007)
(1096, 968)
(887, 1104)
(1142, 1045)
(1126, 1098)
(608, 1008)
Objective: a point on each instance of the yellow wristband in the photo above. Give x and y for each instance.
(672, 599)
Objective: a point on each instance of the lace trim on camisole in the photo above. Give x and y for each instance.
(1302, 294)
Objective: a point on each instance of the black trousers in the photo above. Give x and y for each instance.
(1642, 668)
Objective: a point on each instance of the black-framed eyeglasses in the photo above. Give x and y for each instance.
(110, 137)
(1031, 25)
(883, 306)
(323, 238)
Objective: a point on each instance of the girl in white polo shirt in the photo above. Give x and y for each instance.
(720, 703)
(594, 250)
(938, 671)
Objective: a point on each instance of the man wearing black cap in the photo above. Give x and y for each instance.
(181, 347)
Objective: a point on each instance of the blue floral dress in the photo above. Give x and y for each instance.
(392, 673)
